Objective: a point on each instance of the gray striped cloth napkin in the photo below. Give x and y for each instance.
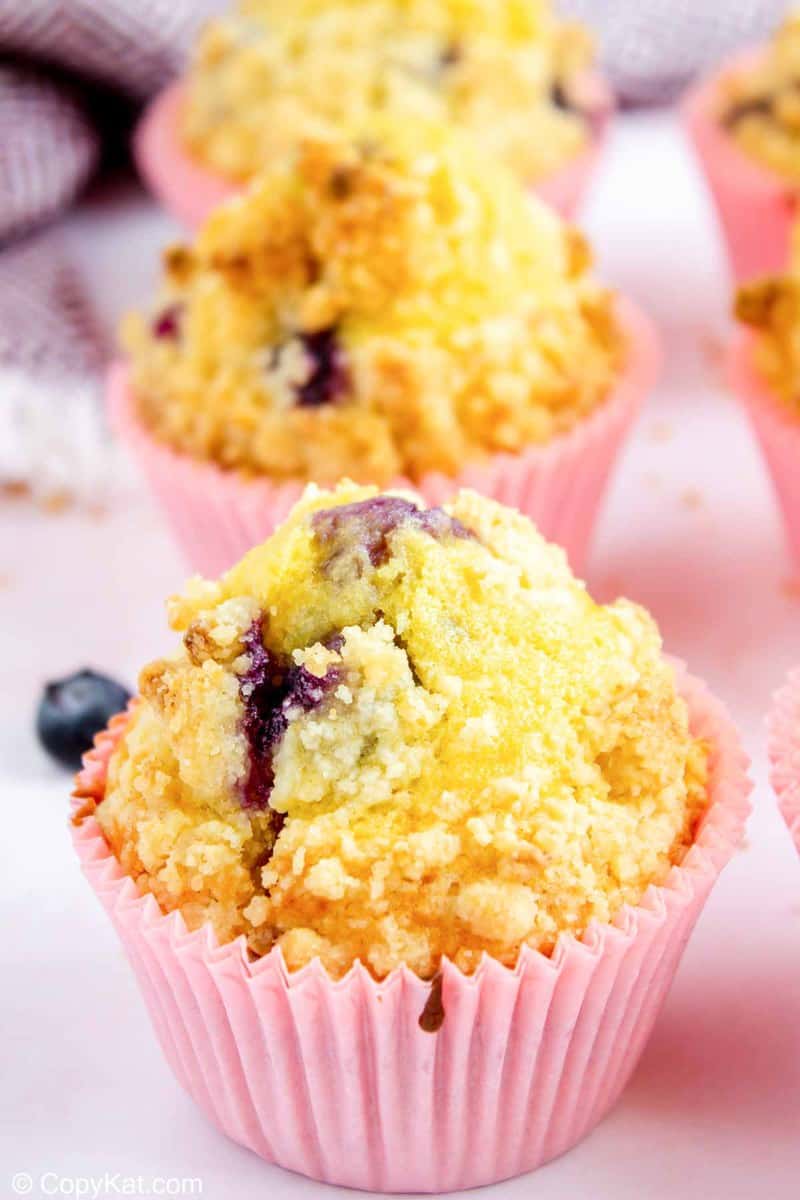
(651, 49)
(56, 58)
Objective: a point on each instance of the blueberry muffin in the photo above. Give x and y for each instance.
(771, 308)
(274, 73)
(393, 733)
(761, 105)
(379, 309)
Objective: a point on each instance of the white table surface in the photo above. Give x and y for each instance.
(690, 530)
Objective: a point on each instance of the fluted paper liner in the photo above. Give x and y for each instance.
(784, 752)
(776, 428)
(218, 515)
(756, 206)
(190, 191)
(338, 1081)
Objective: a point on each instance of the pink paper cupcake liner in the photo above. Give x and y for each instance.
(784, 752)
(776, 429)
(189, 191)
(218, 515)
(756, 208)
(337, 1079)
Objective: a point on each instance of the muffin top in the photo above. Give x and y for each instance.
(272, 73)
(393, 733)
(379, 310)
(771, 307)
(761, 104)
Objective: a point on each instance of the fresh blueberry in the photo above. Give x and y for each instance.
(328, 378)
(72, 710)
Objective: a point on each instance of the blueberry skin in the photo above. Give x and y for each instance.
(72, 710)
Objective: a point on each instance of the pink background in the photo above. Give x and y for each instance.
(691, 530)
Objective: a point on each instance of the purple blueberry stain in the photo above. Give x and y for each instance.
(328, 378)
(366, 525)
(166, 325)
(272, 692)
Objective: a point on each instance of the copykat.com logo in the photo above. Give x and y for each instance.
(95, 1187)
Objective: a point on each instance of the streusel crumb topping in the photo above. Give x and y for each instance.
(392, 734)
(760, 105)
(771, 308)
(272, 73)
(378, 310)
